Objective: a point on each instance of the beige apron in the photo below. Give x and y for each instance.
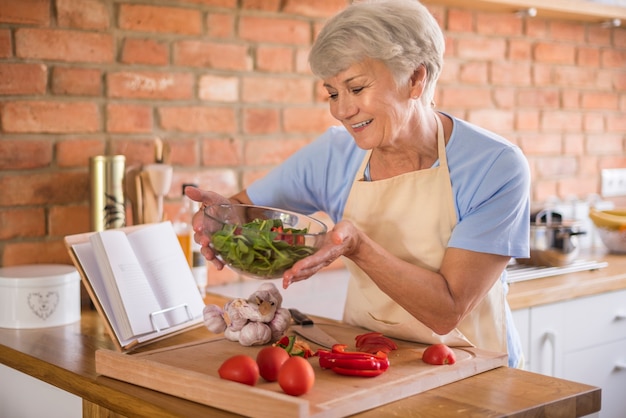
(412, 215)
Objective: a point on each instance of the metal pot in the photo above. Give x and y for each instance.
(553, 241)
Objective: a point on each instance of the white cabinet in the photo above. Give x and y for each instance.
(583, 340)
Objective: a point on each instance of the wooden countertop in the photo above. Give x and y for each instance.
(535, 292)
(65, 357)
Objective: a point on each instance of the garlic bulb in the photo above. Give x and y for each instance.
(213, 317)
(255, 333)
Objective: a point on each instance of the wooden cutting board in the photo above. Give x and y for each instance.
(189, 371)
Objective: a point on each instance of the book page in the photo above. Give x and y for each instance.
(120, 267)
(166, 268)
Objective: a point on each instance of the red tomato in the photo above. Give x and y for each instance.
(296, 377)
(240, 368)
(270, 359)
(439, 354)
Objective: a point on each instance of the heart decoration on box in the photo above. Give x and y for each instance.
(43, 304)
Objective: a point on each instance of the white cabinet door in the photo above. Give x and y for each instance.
(521, 318)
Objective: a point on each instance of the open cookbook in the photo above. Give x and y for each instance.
(139, 281)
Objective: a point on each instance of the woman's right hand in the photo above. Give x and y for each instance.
(206, 198)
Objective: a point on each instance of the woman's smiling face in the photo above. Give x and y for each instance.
(367, 101)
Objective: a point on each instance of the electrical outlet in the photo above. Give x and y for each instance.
(614, 182)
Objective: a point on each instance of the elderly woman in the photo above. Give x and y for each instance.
(428, 208)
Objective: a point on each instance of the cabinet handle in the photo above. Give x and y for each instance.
(550, 338)
(620, 366)
(620, 316)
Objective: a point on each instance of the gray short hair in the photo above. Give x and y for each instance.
(403, 34)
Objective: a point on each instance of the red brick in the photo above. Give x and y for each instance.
(542, 74)
(570, 99)
(619, 37)
(231, 4)
(593, 122)
(560, 121)
(221, 152)
(555, 53)
(58, 224)
(50, 117)
(574, 76)
(265, 5)
(613, 58)
(541, 144)
(137, 152)
(277, 90)
(49, 188)
(76, 152)
(197, 119)
(616, 122)
(5, 44)
(470, 97)
(22, 223)
(41, 252)
(218, 88)
(302, 61)
(574, 144)
(64, 45)
(557, 166)
(129, 118)
(29, 12)
(144, 51)
(477, 48)
(580, 187)
(24, 154)
(274, 59)
(537, 28)
(83, 14)
(492, 24)
(261, 121)
(222, 181)
(561, 30)
(538, 98)
(526, 120)
(204, 54)
(76, 81)
(544, 190)
(160, 19)
(270, 151)
(600, 100)
(498, 121)
(504, 97)
(588, 57)
(23, 79)
(150, 85)
(598, 35)
(511, 73)
(460, 20)
(326, 8)
(473, 72)
(184, 152)
(607, 144)
(220, 25)
(307, 119)
(266, 29)
(520, 50)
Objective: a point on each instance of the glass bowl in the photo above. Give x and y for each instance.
(259, 241)
(613, 239)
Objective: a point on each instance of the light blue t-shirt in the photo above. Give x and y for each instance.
(490, 183)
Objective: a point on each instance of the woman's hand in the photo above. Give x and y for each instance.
(206, 198)
(343, 239)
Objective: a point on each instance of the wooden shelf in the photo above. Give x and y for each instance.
(580, 10)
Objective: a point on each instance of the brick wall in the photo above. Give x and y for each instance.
(226, 84)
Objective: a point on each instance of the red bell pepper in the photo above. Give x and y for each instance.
(352, 363)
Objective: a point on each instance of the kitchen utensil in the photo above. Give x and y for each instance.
(261, 242)
(306, 328)
(553, 241)
(161, 180)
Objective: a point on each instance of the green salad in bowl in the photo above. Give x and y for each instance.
(259, 241)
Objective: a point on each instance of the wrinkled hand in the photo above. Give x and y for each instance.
(200, 236)
(343, 239)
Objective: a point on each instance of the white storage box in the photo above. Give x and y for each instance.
(39, 296)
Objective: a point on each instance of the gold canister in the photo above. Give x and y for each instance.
(108, 209)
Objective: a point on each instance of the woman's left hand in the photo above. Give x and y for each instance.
(343, 239)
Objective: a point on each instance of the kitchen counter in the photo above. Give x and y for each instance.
(64, 357)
